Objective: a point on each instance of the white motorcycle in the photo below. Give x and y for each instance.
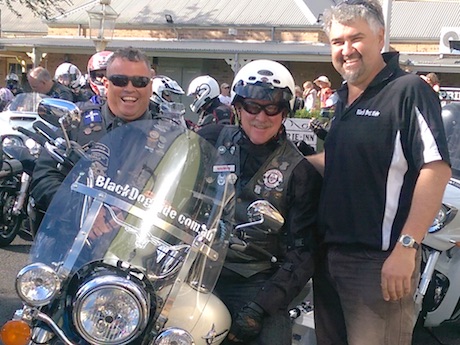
(438, 294)
(132, 244)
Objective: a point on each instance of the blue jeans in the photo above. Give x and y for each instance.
(349, 307)
(236, 291)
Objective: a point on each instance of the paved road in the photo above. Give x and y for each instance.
(14, 257)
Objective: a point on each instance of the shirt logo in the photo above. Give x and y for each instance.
(92, 116)
(367, 112)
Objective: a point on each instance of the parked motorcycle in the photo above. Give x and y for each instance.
(438, 294)
(132, 244)
(19, 162)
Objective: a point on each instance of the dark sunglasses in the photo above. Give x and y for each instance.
(123, 80)
(254, 108)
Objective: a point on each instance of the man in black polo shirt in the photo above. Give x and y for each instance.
(385, 167)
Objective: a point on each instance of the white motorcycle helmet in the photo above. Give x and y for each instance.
(12, 76)
(68, 74)
(97, 65)
(204, 89)
(163, 86)
(265, 80)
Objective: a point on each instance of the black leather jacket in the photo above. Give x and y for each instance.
(275, 171)
(97, 120)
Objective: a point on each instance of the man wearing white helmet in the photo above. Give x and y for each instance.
(207, 105)
(269, 166)
(70, 76)
(163, 101)
(12, 83)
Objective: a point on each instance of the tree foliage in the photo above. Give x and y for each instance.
(40, 8)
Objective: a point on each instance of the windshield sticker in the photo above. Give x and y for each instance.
(147, 199)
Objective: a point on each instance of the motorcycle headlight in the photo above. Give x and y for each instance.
(33, 146)
(110, 310)
(37, 284)
(445, 215)
(174, 336)
(12, 140)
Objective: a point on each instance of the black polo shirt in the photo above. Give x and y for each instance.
(374, 152)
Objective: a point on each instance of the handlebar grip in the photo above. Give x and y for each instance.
(44, 130)
(38, 138)
(264, 253)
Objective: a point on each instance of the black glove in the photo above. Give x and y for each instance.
(247, 324)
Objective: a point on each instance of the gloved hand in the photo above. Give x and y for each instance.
(247, 323)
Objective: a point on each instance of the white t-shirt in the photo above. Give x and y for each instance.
(225, 99)
(310, 100)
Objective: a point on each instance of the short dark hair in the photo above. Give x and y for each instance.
(130, 54)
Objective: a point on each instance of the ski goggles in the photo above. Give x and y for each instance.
(271, 109)
(123, 80)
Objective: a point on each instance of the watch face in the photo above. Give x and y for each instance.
(406, 240)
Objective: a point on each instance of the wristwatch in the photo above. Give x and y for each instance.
(408, 242)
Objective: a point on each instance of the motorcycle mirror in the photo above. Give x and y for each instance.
(264, 212)
(59, 112)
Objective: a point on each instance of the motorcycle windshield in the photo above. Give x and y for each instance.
(150, 197)
(26, 102)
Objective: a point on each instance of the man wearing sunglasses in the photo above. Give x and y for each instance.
(386, 165)
(128, 87)
(268, 166)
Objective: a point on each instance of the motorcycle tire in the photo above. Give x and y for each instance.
(9, 222)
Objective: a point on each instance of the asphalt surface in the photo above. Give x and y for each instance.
(15, 256)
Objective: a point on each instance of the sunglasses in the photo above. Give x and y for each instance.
(254, 108)
(123, 80)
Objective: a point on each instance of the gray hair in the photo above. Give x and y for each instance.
(349, 11)
(40, 74)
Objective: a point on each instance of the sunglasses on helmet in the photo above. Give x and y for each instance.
(254, 108)
(123, 80)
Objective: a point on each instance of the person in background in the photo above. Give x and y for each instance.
(310, 95)
(224, 96)
(268, 166)
(433, 80)
(40, 81)
(324, 93)
(299, 102)
(128, 87)
(385, 165)
(70, 76)
(96, 69)
(13, 84)
(6, 96)
(205, 91)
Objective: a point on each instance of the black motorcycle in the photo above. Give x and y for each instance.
(18, 162)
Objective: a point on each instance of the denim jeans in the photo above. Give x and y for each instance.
(236, 291)
(349, 307)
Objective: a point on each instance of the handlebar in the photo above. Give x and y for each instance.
(251, 249)
(45, 131)
(38, 138)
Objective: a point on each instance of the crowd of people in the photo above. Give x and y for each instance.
(354, 214)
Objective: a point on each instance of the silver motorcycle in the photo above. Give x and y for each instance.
(438, 294)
